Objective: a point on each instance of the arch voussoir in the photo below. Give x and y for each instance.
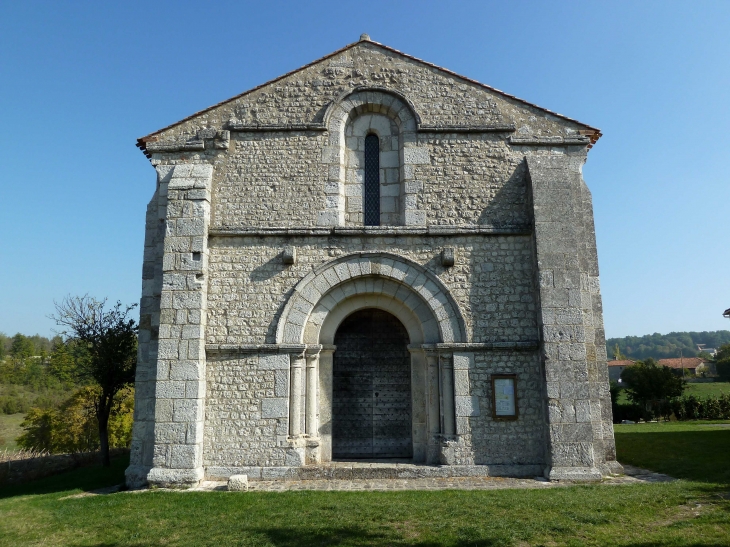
(384, 281)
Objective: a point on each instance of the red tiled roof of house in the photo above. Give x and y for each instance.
(685, 362)
(621, 363)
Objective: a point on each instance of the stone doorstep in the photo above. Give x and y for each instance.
(372, 471)
(452, 483)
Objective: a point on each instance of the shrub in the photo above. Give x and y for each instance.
(709, 408)
(73, 426)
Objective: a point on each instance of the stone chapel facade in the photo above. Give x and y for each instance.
(370, 258)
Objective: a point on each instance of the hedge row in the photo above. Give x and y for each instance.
(688, 407)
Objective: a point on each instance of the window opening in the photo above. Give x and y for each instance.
(371, 199)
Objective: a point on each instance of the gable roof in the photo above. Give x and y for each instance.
(685, 362)
(596, 133)
(621, 363)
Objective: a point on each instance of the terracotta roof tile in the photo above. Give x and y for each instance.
(685, 362)
(621, 363)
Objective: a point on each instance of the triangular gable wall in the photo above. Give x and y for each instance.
(302, 96)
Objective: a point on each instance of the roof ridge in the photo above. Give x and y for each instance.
(596, 135)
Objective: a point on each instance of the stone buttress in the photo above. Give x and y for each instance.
(167, 450)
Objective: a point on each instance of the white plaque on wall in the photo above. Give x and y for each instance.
(504, 398)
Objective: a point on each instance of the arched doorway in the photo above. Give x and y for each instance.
(371, 395)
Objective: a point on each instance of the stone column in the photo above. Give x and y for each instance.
(433, 407)
(560, 243)
(419, 404)
(296, 394)
(312, 355)
(179, 364)
(446, 369)
(325, 402)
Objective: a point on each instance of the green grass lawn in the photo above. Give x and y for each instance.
(707, 390)
(10, 430)
(691, 512)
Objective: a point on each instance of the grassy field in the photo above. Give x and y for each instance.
(705, 390)
(10, 430)
(691, 512)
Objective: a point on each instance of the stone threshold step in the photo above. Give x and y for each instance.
(372, 470)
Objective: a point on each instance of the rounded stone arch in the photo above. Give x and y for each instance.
(328, 294)
(341, 204)
(351, 99)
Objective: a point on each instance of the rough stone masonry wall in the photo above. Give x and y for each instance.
(491, 281)
(439, 98)
(518, 442)
(569, 315)
(277, 179)
(270, 179)
(244, 425)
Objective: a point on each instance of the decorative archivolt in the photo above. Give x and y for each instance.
(323, 298)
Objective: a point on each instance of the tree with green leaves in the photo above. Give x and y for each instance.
(722, 362)
(651, 385)
(107, 338)
(22, 347)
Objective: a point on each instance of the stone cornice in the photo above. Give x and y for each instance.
(550, 141)
(247, 349)
(375, 231)
(528, 345)
(497, 128)
(297, 349)
(261, 128)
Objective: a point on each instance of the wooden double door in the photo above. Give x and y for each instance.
(371, 399)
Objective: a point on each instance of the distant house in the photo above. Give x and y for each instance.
(689, 364)
(616, 367)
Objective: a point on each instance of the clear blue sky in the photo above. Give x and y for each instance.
(80, 81)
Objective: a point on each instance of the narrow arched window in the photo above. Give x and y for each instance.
(371, 197)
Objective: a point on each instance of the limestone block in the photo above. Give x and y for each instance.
(274, 361)
(202, 171)
(238, 483)
(187, 410)
(170, 389)
(163, 410)
(181, 183)
(389, 190)
(467, 406)
(275, 407)
(177, 478)
(464, 361)
(415, 218)
(389, 160)
(416, 155)
(194, 390)
(412, 187)
(183, 456)
(583, 411)
(281, 383)
(329, 218)
(461, 382)
(170, 433)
